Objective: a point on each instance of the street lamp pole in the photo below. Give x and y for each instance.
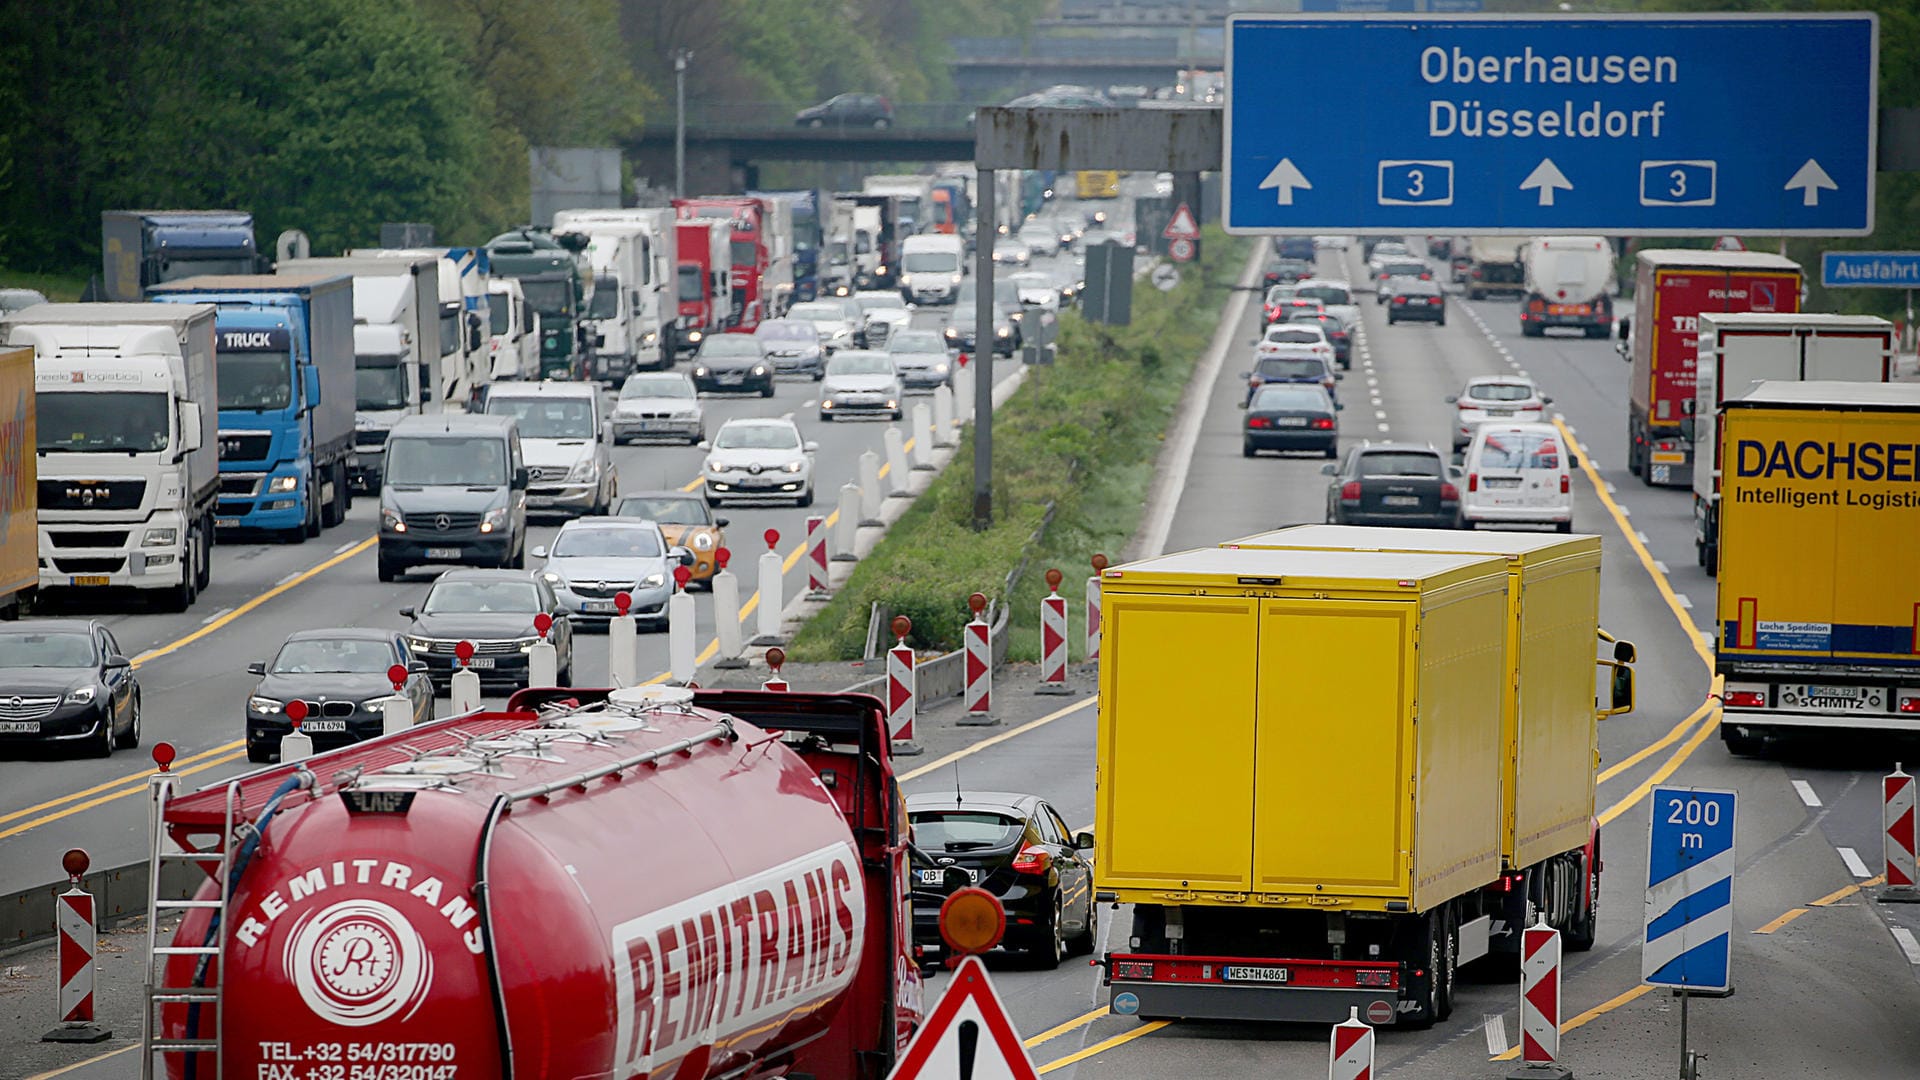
(680, 58)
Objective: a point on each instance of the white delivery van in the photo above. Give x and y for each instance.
(931, 265)
(1518, 474)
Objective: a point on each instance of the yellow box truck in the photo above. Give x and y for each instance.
(19, 484)
(1818, 606)
(1300, 779)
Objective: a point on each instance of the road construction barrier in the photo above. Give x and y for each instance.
(1053, 638)
(897, 477)
(771, 569)
(396, 713)
(870, 489)
(847, 520)
(922, 437)
(1539, 994)
(680, 628)
(73, 920)
(296, 745)
(466, 681)
(1093, 609)
(979, 661)
(543, 660)
(731, 650)
(817, 558)
(1896, 817)
(963, 390)
(943, 433)
(623, 643)
(1351, 1055)
(776, 659)
(901, 691)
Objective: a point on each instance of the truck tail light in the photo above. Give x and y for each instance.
(1449, 493)
(1033, 859)
(1473, 481)
(1380, 980)
(1537, 304)
(1350, 491)
(1909, 702)
(1745, 699)
(1566, 484)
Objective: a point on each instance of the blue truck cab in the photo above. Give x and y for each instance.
(143, 248)
(806, 207)
(284, 366)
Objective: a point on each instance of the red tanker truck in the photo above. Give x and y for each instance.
(636, 883)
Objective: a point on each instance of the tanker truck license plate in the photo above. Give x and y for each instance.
(1253, 973)
(91, 579)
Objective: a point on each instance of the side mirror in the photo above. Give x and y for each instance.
(599, 341)
(1339, 376)
(116, 660)
(1339, 406)
(1687, 428)
(1624, 652)
(1248, 374)
(407, 612)
(310, 384)
(810, 446)
(681, 556)
(521, 478)
(475, 338)
(1545, 399)
(704, 444)
(190, 426)
(258, 667)
(538, 551)
(417, 667)
(1620, 691)
(1083, 841)
(1625, 327)
(426, 394)
(1328, 470)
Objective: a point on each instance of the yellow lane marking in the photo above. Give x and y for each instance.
(1656, 746)
(1838, 895)
(111, 796)
(1061, 1029)
(967, 751)
(65, 1069)
(1782, 920)
(1597, 1011)
(228, 619)
(1103, 1046)
(1640, 549)
(116, 782)
(1666, 770)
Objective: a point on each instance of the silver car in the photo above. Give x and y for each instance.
(658, 405)
(793, 347)
(860, 381)
(921, 359)
(592, 562)
(836, 325)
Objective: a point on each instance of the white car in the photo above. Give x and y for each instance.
(1332, 243)
(1040, 236)
(657, 405)
(1518, 474)
(1291, 336)
(1037, 288)
(1012, 253)
(836, 325)
(759, 458)
(1495, 397)
(860, 381)
(885, 313)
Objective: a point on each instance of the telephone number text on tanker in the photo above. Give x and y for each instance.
(270, 1071)
(358, 1051)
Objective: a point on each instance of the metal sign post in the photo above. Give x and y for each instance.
(1689, 905)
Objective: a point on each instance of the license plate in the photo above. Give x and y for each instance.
(731, 380)
(1568, 309)
(484, 663)
(938, 877)
(90, 579)
(323, 725)
(19, 727)
(1499, 412)
(226, 523)
(596, 607)
(655, 425)
(1253, 973)
(1503, 481)
(1833, 692)
(443, 553)
(1290, 421)
(1400, 500)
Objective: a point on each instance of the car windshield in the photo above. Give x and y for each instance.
(481, 597)
(604, 542)
(1399, 269)
(860, 364)
(1401, 463)
(1280, 292)
(730, 347)
(916, 341)
(379, 382)
(665, 509)
(757, 437)
(657, 386)
(1286, 367)
(962, 830)
(1500, 392)
(817, 313)
(94, 423)
(549, 297)
(1520, 450)
(1289, 397)
(1314, 318)
(310, 656)
(1326, 294)
(447, 461)
(787, 330)
(1296, 334)
(59, 649)
(546, 417)
(929, 262)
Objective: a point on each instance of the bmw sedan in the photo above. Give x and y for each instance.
(65, 682)
(342, 675)
(1017, 848)
(495, 610)
(592, 562)
(659, 405)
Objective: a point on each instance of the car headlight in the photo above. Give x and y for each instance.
(880, 270)
(80, 696)
(906, 279)
(375, 703)
(694, 336)
(264, 705)
(583, 469)
(1003, 331)
(282, 483)
(954, 280)
(493, 519)
(418, 644)
(795, 466)
(952, 332)
(159, 537)
(653, 581)
(702, 541)
(391, 521)
(700, 372)
(715, 466)
(552, 578)
(759, 369)
(939, 369)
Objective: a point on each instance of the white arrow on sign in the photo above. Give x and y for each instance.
(1810, 178)
(1283, 179)
(1546, 176)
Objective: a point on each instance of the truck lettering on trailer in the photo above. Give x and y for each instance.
(741, 955)
(316, 880)
(1870, 462)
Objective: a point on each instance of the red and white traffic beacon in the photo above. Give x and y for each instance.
(651, 881)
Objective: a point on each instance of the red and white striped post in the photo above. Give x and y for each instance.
(1093, 609)
(1539, 995)
(776, 658)
(902, 690)
(978, 638)
(1350, 1057)
(817, 557)
(1897, 839)
(1053, 639)
(73, 918)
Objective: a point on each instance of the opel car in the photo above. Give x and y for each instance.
(735, 363)
(592, 562)
(860, 381)
(65, 682)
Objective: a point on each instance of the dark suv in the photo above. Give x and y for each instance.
(848, 110)
(453, 491)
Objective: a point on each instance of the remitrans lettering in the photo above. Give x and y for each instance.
(1812, 459)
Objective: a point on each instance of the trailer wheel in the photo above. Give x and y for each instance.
(1586, 922)
(1446, 972)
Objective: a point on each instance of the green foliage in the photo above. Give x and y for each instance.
(1081, 436)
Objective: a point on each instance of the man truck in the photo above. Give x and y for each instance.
(1818, 588)
(557, 280)
(1394, 674)
(762, 238)
(19, 526)
(143, 248)
(632, 311)
(284, 353)
(126, 413)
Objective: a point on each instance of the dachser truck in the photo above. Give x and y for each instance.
(1739, 350)
(1818, 587)
(19, 526)
(1377, 670)
(1671, 290)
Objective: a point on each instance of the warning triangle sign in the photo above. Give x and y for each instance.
(968, 1036)
(1182, 226)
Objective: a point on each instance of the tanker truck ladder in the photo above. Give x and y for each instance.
(204, 991)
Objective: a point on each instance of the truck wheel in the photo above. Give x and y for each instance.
(312, 528)
(1586, 923)
(1710, 559)
(203, 574)
(389, 572)
(1085, 942)
(182, 596)
(1742, 743)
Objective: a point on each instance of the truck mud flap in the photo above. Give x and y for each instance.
(1304, 1005)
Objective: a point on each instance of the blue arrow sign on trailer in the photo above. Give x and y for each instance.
(1667, 125)
(1689, 928)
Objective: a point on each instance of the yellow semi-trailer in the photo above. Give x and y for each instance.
(1551, 700)
(1818, 606)
(19, 496)
(1300, 761)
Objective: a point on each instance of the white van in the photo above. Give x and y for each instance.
(1518, 474)
(930, 268)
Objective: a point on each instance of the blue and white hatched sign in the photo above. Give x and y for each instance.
(1689, 929)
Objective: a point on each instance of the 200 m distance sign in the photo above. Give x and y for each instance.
(1622, 124)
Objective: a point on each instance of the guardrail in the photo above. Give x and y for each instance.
(945, 116)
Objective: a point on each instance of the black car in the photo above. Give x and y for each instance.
(341, 674)
(1017, 848)
(735, 363)
(848, 110)
(1416, 300)
(961, 327)
(1294, 247)
(493, 609)
(1285, 416)
(66, 682)
(1281, 269)
(1393, 484)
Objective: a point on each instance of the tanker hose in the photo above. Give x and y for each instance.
(483, 901)
(254, 832)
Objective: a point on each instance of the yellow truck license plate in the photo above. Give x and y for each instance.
(90, 579)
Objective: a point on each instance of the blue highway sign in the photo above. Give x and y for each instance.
(1689, 926)
(1870, 269)
(1667, 125)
